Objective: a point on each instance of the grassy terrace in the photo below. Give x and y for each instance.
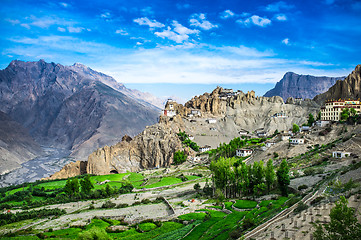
(202, 224)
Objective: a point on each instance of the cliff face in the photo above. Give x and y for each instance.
(238, 110)
(16, 145)
(72, 107)
(344, 89)
(301, 86)
(154, 147)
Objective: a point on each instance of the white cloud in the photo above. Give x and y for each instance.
(184, 65)
(281, 17)
(121, 32)
(12, 21)
(199, 20)
(255, 20)
(105, 15)
(227, 14)
(25, 25)
(286, 41)
(148, 22)
(179, 28)
(75, 29)
(64, 4)
(60, 29)
(278, 6)
(168, 33)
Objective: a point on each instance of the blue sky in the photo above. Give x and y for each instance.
(184, 48)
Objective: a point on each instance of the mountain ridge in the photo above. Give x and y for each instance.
(71, 106)
(301, 86)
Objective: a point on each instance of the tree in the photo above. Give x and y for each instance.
(179, 157)
(71, 187)
(318, 116)
(197, 187)
(86, 185)
(270, 174)
(295, 128)
(283, 177)
(345, 114)
(311, 120)
(343, 224)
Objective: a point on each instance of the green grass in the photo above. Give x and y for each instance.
(69, 233)
(52, 185)
(228, 205)
(245, 204)
(191, 177)
(178, 233)
(132, 234)
(134, 177)
(221, 228)
(97, 223)
(195, 216)
(110, 177)
(146, 227)
(20, 238)
(164, 182)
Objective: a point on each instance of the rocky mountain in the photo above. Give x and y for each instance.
(71, 107)
(152, 148)
(301, 86)
(232, 112)
(238, 110)
(344, 89)
(16, 145)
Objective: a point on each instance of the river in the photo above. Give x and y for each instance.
(52, 161)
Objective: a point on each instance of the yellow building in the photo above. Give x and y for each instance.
(333, 109)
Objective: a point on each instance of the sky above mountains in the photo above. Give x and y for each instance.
(164, 46)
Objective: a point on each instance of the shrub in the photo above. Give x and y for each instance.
(122, 205)
(301, 206)
(108, 204)
(309, 171)
(179, 157)
(145, 201)
(302, 187)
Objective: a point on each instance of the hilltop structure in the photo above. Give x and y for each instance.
(333, 109)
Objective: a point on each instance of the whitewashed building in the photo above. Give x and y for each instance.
(204, 148)
(243, 152)
(211, 120)
(297, 141)
(340, 154)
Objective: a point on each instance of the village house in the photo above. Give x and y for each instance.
(243, 152)
(297, 141)
(204, 148)
(269, 144)
(196, 112)
(321, 123)
(169, 108)
(305, 128)
(243, 132)
(279, 115)
(211, 120)
(340, 154)
(190, 137)
(285, 137)
(332, 110)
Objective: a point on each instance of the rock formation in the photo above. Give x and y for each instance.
(72, 107)
(152, 148)
(350, 88)
(301, 86)
(16, 145)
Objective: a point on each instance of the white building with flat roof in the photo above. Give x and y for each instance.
(243, 152)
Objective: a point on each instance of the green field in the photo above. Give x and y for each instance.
(245, 204)
(164, 182)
